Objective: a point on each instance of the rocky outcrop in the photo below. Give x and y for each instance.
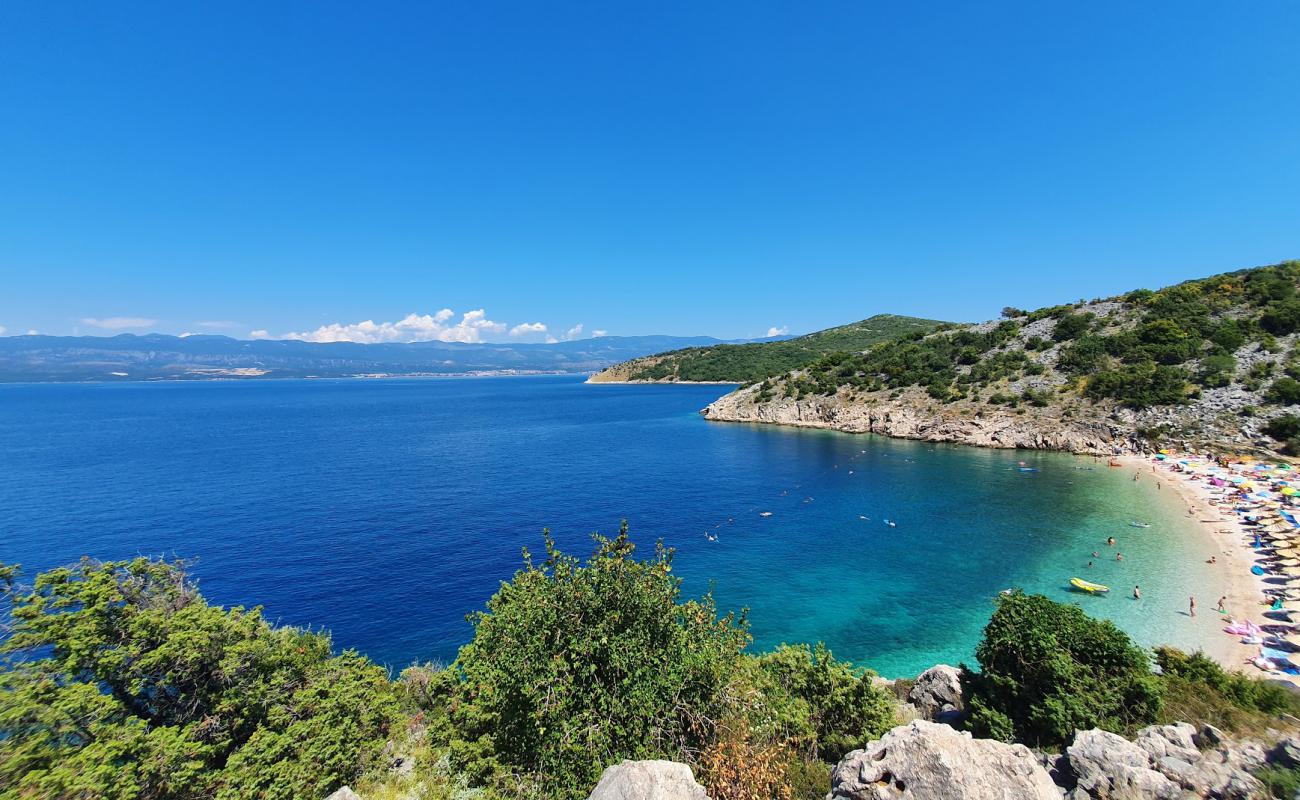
(648, 780)
(937, 693)
(913, 416)
(930, 760)
(1162, 763)
(343, 793)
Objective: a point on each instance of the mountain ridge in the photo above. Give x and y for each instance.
(751, 361)
(132, 357)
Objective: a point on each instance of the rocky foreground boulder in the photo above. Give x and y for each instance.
(648, 780)
(1162, 763)
(937, 693)
(930, 760)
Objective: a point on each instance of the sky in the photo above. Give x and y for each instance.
(496, 171)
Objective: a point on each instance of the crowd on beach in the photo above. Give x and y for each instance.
(1259, 503)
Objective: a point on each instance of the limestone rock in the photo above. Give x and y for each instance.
(648, 780)
(1286, 753)
(1175, 741)
(937, 693)
(343, 793)
(1109, 767)
(930, 760)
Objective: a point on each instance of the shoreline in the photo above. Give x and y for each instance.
(1244, 591)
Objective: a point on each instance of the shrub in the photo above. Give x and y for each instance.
(1281, 317)
(126, 684)
(1284, 427)
(1047, 669)
(1200, 691)
(843, 710)
(1070, 326)
(1285, 391)
(574, 666)
(1141, 385)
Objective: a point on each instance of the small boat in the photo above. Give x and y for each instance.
(1136, 524)
(765, 513)
(1088, 586)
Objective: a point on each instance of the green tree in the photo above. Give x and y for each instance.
(574, 666)
(1047, 669)
(121, 682)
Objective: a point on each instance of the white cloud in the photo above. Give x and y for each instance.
(574, 332)
(186, 335)
(528, 327)
(119, 323)
(216, 324)
(2, 330)
(473, 326)
(552, 340)
(33, 332)
(259, 334)
(781, 331)
(598, 334)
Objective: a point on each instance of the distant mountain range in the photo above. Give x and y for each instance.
(159, 357)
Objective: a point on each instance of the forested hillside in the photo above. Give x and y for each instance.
(1211, 360)
(742, 363)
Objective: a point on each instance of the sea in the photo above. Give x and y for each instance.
(385, 511)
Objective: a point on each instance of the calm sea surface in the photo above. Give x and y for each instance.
(384, 511)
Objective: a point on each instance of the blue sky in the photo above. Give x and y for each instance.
(656, 167)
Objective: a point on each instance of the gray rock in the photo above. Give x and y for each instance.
(343, 793)
(1175, 741)
(1209, 736)
(1286, 753)
(648, 780)
(1110, 767)
(937, 692)
(929, 760)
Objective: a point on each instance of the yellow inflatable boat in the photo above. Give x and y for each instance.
(1088, 586)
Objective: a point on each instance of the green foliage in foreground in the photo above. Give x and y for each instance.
(1047, 669)
(121, 682)
(577, 665)
(1199, 690)
(748, 363)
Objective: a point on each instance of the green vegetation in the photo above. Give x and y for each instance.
(1199, 691)
(1047, 670)
(1156, 348)
(749, 363)
(120, 682)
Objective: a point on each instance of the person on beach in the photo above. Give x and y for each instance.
(1222, 600)
(1137, 593)
(1212, 560)
(1110, 540)
(1191, 606)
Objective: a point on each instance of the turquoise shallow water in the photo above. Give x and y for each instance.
(386, 510)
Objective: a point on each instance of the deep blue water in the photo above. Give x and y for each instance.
(384, 511)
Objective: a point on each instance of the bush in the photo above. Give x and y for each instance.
(1284, 391)
(1283, 428)
(126, 684)
(576, 666)
(1141, 385)
(1281, 317)
(1071, 326)
(1047, 669)
(843, 710)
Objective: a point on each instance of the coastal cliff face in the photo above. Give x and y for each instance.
(913, 416)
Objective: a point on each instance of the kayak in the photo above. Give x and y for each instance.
(1088, 586)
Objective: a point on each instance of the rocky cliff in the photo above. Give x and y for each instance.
(912, 415)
